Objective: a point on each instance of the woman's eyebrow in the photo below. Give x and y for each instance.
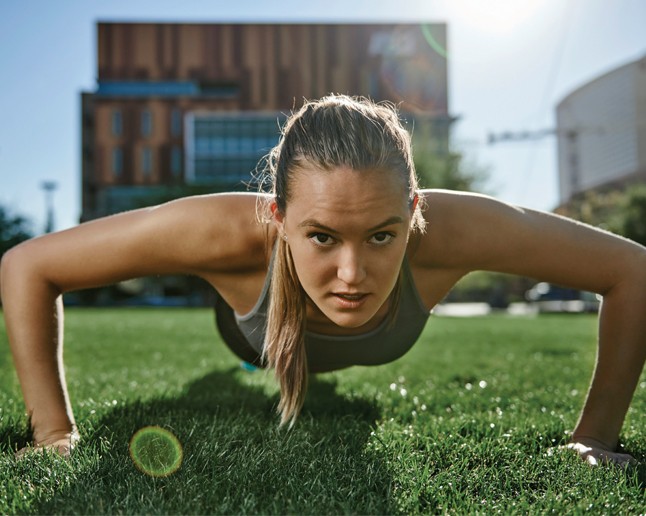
(312, 223)
(388, 222)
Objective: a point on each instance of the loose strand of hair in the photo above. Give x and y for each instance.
(284, 349)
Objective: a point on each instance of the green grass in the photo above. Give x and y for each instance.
(464, 423)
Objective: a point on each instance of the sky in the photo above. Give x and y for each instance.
(510, 62)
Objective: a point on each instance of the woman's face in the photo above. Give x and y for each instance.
(347, 231)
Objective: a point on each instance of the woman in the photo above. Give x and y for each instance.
(342, 268)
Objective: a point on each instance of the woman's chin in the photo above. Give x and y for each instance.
(351, 320)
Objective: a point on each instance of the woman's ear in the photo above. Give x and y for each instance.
(277, 217)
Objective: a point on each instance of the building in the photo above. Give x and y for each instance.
(601, 130)
(190, 108)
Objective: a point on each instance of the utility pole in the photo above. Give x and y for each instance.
(514, 136)
(49, 187)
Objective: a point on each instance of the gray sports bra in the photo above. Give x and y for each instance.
(383, 344)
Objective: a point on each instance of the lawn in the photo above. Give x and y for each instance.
(468, 421)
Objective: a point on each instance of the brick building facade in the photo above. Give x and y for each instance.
(182, 108)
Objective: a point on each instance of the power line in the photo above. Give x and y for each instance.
(515, 136)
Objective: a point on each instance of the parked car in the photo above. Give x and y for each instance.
(552, 298)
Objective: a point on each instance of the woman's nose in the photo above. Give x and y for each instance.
(350, 268)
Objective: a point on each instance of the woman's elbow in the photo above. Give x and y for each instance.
(632, 270)
(638, 269)
(19, 268)
(9, 265)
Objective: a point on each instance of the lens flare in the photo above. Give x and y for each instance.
(156, 451)
(432, 42)
(412, 66)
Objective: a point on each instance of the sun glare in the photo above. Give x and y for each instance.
(496, 16)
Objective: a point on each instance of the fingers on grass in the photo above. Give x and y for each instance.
(597, 456)
(60, 447)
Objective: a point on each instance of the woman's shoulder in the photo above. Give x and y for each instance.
(243, 201)
(231, 229)
(439, 200)
(456, 223)
(445, 211)
(458, 227)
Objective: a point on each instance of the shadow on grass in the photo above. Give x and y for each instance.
(14, 435)
(236, 459)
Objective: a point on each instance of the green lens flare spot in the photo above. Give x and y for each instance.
(432, 42)
(156, 451)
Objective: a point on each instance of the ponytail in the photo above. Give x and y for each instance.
(284, 348)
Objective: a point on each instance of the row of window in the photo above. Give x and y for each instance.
(228, 170)
(249, 126)
(146, 123)
(227, 147)
(221, 147)
(146, 161)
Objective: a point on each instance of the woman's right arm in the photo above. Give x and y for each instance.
(203, 236)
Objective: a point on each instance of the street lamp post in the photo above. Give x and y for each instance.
(49, 187)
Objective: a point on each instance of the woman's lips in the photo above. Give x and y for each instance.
(348, 300)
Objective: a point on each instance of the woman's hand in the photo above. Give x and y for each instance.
(63, 446)
(595, 453)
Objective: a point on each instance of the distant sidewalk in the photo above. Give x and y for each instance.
(479, 309)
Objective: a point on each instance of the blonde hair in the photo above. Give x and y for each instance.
(329, 133)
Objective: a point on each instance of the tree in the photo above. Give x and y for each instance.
(633, 214)
(620, 211)
(603, 209)
(449, 171)
(439, 167)
(13, 230)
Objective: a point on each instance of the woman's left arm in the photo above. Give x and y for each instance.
(620, 360)
(474, 232)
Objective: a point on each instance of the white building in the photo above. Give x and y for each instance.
(601, 130)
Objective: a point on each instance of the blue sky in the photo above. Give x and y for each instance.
(510, 62)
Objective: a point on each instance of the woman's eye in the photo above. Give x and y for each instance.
(321, 239)
(381, 238)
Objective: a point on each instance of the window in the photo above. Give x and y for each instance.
(146, 123)
(226, 148)
(176, 161)
(117, 162)
(147, 161)
(117, 123)
(176, 122)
